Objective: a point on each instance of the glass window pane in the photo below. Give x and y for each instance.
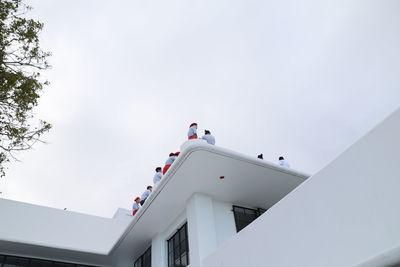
(176, 239)
(249, 211)
(60, 264)
(244, 216)
(144, 260)
(16, 262)
(170, 259)
(40, 263)
(170, 245)
(147, 260)
(12, 261)
(184, 259)
(241, 225)
(183, 246)
(238, 210)
(177, 253)
(182, 234)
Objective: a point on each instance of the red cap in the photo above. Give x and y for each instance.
(171, 154)
(137, 198)
(177, 153)
(193, 124)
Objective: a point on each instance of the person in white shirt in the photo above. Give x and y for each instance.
(146, 194)
(192, 133)
(158, 176)
(283, 163)
(135, 206)
(169, 162)
(208, 137)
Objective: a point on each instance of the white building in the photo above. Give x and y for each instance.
(216, 207)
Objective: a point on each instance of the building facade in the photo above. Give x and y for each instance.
(216, 207)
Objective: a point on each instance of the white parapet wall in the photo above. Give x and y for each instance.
(123, 214)
(346, 214)
(29, 224)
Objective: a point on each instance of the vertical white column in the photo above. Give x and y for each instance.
(158, 251)
(201, 228)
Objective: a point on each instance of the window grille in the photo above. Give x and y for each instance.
(244, 216)
(144, 260)
(178, 248)
(16, 261)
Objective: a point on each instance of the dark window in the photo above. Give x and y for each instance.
(60, 264)
(145, 259)
(178, 248)
(244, 216)
(41, 263)
(14, 261)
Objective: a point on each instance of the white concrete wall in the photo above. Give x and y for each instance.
(123, 214)
(159, 255)
(342, 216)
(225, 226)
(201, 228)
(31, 224)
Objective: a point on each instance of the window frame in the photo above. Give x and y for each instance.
(178, 248)
(257, 212)
(141, 261)
(4, 257)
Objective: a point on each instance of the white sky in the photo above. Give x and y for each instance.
(302, 79)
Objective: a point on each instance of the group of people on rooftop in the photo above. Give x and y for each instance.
(281, 161)
(192, 134)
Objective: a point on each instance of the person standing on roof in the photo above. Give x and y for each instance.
(169, 162)
(192, 134)
(135, 206)
(283, 163)
(146, 194)
(158, 176)
(208, 137)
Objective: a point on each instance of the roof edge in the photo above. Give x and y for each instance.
(188, 148)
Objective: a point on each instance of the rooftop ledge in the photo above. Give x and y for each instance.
(197, 170)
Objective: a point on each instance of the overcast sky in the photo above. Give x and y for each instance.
(302, 79)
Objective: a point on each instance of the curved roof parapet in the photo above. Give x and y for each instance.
(200, 144)
(192, 143)
(198, 169)
(390, 257)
